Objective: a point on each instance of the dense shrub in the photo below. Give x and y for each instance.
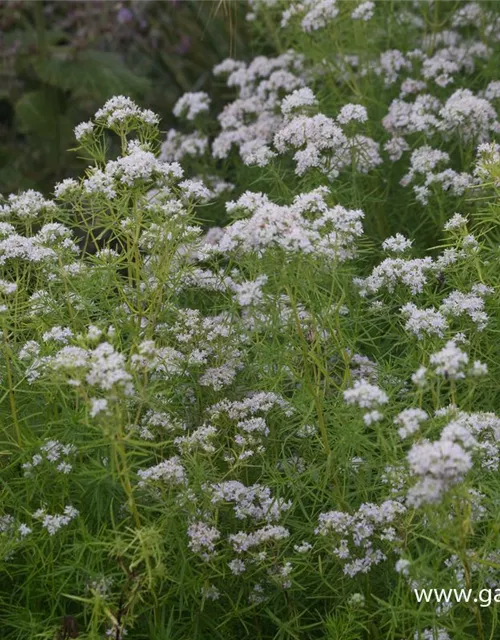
(284, 425)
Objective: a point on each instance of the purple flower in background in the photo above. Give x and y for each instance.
(124, 15)
(184, 45)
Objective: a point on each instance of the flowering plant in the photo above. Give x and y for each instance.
(280, 426)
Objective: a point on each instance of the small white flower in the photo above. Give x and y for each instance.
(237, 566)
(403, 567)
(479, 368)
(299, 98)
(364, 11)
(419, 378)
(191, 105)
(303, 547)
(396, 244)
(371, 417)
(352, 113)
(65, 187)
(450, 361)
(409, 421)
(84, 130)
(455, 222)
(365, 395)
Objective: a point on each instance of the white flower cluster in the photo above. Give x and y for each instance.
(393, 271)
(314, 14)
(9, 527)
(169, 472)
(243, 541)
(58, 334)
(450, 361)
(190, 105)
(319, 141)
(252, 503)
(102, 368)
(359, 535)
(52, 523)
(26, 206)
(248, 292)
(440, 465)
(405, 118)
(461, 114)
(423, 321)
(432, 634)
(485, 429)
(471, 304)
(53, 452)
(201, 439)
(82, 131)
(470, 116)
(439, 60)
(307, 225)
(52, 243)
(396, 244)
(7, 288)
(251, 120)
(352, 113)
(488, 162)
(139, 166)
(260, 402)
(363, 369)
(365, 395)
(152, 424)
(298, 100)
(178, 145)
(120, 111)
(364, 11)
(255, 502)
(202, 539)
(250, 430)
(409, 421)
(423, 161)
(414, 274)
(209, 345)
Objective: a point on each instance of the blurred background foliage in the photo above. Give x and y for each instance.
(59, 61)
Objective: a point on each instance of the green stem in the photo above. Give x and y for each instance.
(121, 462)
(311, 383)
(41, 33)
(12, 400)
